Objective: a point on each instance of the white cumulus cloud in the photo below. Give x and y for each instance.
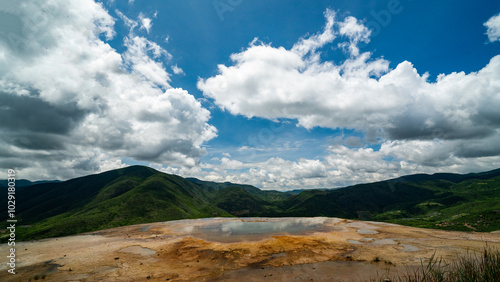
(177, 70)
(451, 124)
(146, 23)
(493, 28)
(359, 93)
(72, 105)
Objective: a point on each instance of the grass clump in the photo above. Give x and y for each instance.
(470, 268)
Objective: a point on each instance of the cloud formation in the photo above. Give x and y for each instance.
(73, 105)
(493, 28)
(343, 165)
(359, 93)
(451, 124)
(146, 23)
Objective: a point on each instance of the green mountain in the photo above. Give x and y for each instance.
(447, 201)
(138, 194)
(115, 198)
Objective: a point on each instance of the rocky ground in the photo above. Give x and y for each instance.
(331, 250)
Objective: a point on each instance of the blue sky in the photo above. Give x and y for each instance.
(278, 94)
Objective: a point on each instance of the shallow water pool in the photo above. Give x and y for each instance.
(251, 229)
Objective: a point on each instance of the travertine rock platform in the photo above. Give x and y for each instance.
(234, 249)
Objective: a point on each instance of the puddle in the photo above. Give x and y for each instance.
(355, 242)
(258, 229)
(367, 231)
(138, 250)
(385, 242)
(145, 228)
(410, 248)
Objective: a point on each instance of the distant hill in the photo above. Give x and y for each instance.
(24, 182)
(138, 194)
(469, 205)
(268, 195)
(452, 177)
(469, 202)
